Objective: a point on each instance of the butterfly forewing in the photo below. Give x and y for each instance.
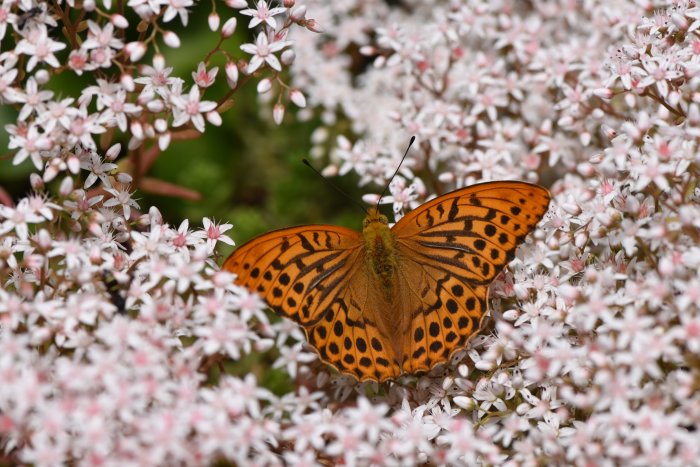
(317, 276)
(450, 249)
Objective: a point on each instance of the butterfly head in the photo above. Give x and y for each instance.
(374, 217)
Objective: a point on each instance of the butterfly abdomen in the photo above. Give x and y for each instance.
(380, 248)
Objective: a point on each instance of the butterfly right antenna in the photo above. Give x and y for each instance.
(413, 138)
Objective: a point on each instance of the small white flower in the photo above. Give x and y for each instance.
(263, 52)
(262, 13)
(190, 109)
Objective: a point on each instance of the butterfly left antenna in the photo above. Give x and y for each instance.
(410, 143)
(337, 188)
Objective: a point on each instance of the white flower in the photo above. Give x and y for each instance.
(121, 198)
(39, 47)
(263, 52)
(262, 13)
(190, 108)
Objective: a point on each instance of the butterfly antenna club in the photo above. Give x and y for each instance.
(410, 143)
(336, 187)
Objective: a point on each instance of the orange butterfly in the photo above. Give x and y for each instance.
(386, 301)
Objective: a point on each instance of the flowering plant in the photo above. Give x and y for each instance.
(122, 341)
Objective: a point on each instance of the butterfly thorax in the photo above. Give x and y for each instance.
(380, 246)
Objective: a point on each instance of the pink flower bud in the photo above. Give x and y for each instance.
(171, 39)
(75, 225)
(164, 141)
(214, 21)
(42, 76)
(148, 130)
(298, 13)
(237, 4)
(73, 163)
(43, 239)
(229, 27)
(161, 125)
(368, 50)
(571, 208)
(119, 21)
(297, 97)
(214, 118)
(127, 81)
(135, 50)
(447, 177)
(123, 177)
(155, 106)
(264, 85)
(278, 113)
(288, 57)
(288, 3)
(581, 239)
(113, 152)
(36, 182)
(232, 74)
(680, 21)
(136, 130)
(313, 26)
(604, 93)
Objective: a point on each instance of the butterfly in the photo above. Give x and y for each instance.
(384, 302)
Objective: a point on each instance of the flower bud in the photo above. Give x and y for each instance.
(313, 26)
(137, 130)
(161, 125)
(214, 118)
(155, 106)
(298, 13)
(288, 57)
(42, 76)
(264, 85)
(171, 39)
(680, 21)
(164, 141)
(127, 81)
(135, 50)
(298, 98)
(113, 151)
(125, 178)
(119, 21)
(43, 239)
(581, 239)
(604, 93)
(278, 113)
(214, 21)
(232, 74)
(66, 186)
(36, 182)
(571, 208)
(229, 27)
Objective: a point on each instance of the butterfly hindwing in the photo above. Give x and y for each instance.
(451, 249)
(445, 314)
(349, 339)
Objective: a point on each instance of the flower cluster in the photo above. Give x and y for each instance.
(122, 341)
